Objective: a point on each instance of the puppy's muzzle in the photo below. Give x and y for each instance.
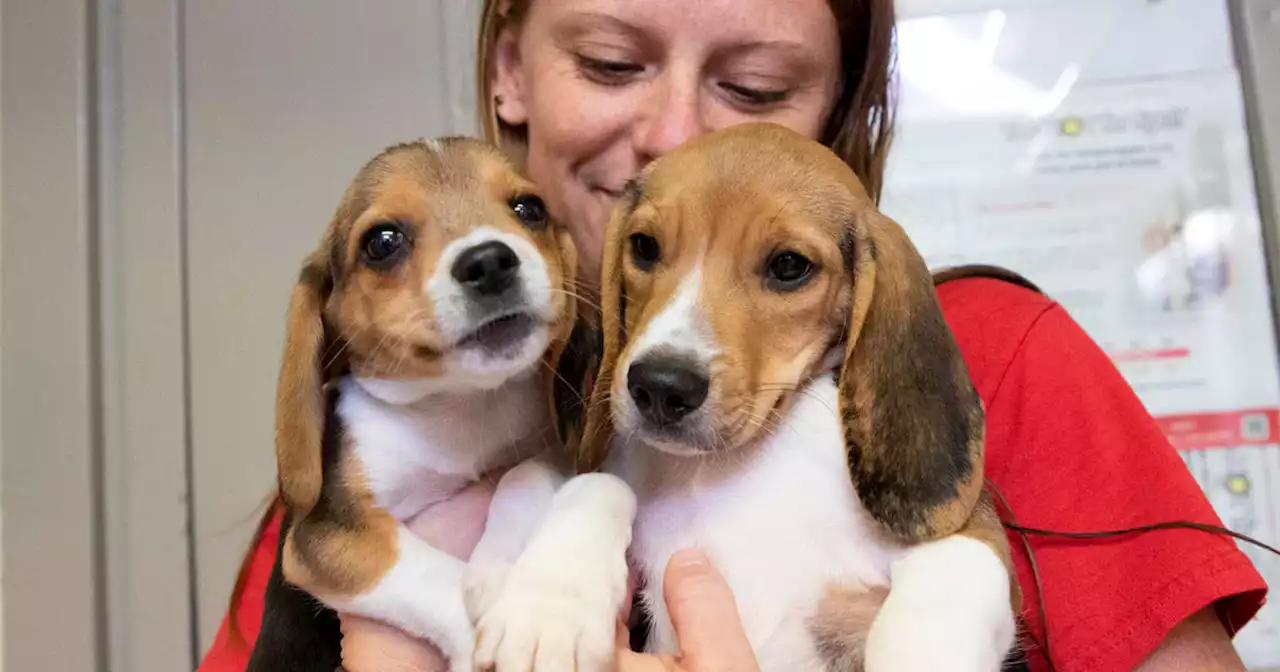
(666, 389)
(487, 270)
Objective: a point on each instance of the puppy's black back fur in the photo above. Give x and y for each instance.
(299, 633)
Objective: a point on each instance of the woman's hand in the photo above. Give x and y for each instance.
(453, 526)
(705, 618)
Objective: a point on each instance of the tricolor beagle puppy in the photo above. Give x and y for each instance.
(780, 389)
(421, 347)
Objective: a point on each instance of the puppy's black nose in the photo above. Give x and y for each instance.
(665, 390)
(487, 268)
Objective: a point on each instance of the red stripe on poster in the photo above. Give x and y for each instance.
(1199, 431)
(1147, 355)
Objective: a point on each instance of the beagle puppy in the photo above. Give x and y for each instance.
(421, 346)
(779, 387)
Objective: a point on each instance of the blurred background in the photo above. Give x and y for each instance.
(167, 163)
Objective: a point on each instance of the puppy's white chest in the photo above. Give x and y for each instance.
(418, 454)
(782, 524)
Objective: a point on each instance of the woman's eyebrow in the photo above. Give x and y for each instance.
(582, 22)
(797, 57)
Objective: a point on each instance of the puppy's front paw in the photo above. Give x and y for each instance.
(548, 619)
(936, 641)
(557, 607)
(947, 609)
(457, 638)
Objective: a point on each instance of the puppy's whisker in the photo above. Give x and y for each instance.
(397, 333)
(333, 359)
(808, 393)
(581, 400)
(579, 297)
(774, 387)
(378, 353)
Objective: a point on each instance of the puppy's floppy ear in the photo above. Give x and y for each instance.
(913, 422)
(300, 388)
(610, 339)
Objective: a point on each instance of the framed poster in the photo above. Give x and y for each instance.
(1099, 147)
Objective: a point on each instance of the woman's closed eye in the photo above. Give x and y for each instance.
(754, 97)
(614, 71)
(607, 71)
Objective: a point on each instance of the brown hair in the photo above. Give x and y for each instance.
(859, 127)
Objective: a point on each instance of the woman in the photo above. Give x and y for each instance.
(589, 91)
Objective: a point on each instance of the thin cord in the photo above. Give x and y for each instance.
(1023, 532)
(1171, 525)
(1035, 577)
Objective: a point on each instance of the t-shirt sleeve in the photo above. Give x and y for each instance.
(1072, 449)
(230, 654)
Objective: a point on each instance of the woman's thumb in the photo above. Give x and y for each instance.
(704, 615)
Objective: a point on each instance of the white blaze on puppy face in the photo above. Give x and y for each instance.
(680, 330)
(680, 327)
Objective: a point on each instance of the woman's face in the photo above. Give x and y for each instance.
(605, 86)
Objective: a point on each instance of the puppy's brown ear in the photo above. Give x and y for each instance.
(913, 421)
(610, 337)
(300, 389)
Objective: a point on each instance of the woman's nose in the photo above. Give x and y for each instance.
(671, 115)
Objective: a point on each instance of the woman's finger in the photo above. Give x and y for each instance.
(630, 661)
(705, 616)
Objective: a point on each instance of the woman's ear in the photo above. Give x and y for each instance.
(508, 83)
(913, 421)
(300, 388)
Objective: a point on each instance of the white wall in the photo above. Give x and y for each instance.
(1, 377)
(52, 559)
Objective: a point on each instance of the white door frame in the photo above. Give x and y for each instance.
(96, 566)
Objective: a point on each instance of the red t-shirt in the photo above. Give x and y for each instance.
(1071, 448)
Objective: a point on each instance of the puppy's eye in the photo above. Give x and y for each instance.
(383, 245)
(644, 250)
(788, 270)
(530, 210)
